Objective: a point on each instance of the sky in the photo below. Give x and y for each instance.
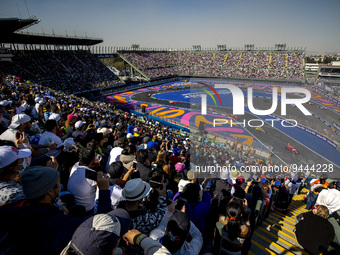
(179, 24)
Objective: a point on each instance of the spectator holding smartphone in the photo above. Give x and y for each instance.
(177, 233)
(83, 189)
(196, 209)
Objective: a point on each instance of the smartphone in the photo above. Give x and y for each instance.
(135, 165)
(90, 174)
(156, 185)
(180, 203)
(209, 184)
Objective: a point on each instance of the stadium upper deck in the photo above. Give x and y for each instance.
(230, 64)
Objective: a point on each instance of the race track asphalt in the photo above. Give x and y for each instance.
(274, 138)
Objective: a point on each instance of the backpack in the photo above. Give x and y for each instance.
(311, 200)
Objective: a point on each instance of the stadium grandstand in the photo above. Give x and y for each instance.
(329, 79)
(72, 157)
(227, 64)
(61, 63)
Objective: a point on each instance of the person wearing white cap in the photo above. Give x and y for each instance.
(38, 101)
(20, 123)
(329, 198)
(80, 129)
(79, 124)
(105, 131)
(135, 132)
(129, 136)
(54, 116)
(12, 161)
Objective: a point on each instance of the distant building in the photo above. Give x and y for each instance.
(5, 54)
(329, 71)
(330, 76)
(311, 69)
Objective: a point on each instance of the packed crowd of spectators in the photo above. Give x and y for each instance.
(69, 71)
(78, 176)
(276, 65)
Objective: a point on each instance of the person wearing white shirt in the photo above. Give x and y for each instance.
(114, 156)
(39, 102)
(22, 108)
(20, 123)
(49, 137)
(34, 113)
(82, 188)
(293, 188)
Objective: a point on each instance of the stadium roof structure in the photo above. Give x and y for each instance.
(10, 27)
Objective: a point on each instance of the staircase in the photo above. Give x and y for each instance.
(133, 67)
(275, 235)
(239, 60)
(225, 59)
(270, 60)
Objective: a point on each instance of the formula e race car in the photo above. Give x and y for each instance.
(261, 130)
(291, 148)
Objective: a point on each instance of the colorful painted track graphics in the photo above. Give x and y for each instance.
(188, 118)
(236, 132)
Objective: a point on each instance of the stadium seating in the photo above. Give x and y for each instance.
(70, 71)
(233, 64)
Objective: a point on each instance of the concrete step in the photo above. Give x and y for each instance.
(276, 233)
